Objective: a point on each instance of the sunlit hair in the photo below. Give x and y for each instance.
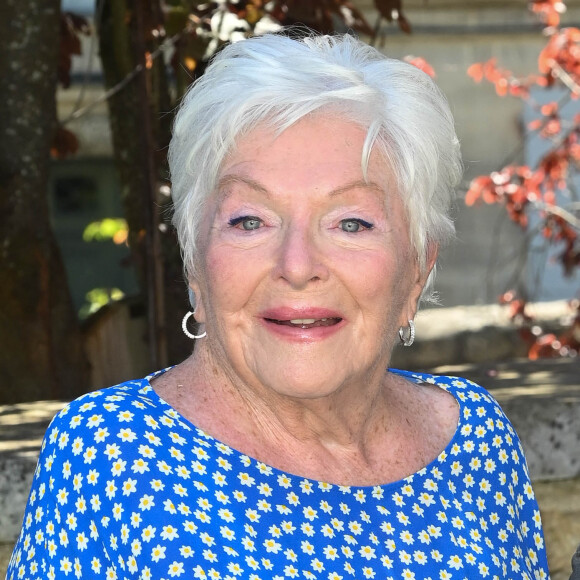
(274, 81)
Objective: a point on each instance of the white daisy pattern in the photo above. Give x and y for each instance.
(126, 488)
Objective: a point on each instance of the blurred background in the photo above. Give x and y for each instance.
(92, 289)
(91, 285)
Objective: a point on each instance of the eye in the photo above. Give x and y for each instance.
(353, 225)
(247, 222)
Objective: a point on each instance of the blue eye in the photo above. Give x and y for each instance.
(247, 222)
(352, 225)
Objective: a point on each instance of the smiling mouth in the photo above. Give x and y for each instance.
(306, 322)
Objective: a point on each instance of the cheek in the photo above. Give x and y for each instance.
(385, 283)
(380, 272)
(230, 280)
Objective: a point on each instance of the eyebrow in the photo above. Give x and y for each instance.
(359, 183)
(258, 187)
(252, 183)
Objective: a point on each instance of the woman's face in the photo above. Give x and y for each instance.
(306, 270)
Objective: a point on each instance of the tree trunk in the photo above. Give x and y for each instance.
(119, 63)
(42, 355)
(140, 127)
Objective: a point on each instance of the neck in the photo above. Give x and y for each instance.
(367, 434)
(350, 418)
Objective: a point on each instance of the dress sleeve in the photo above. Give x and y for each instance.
(59, 537)
(576, 565)
(527, 513)
(498, 485)
(515, 496)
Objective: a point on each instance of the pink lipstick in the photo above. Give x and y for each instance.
(302, 323)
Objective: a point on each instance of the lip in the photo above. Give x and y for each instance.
(297, 333)
(292, 313)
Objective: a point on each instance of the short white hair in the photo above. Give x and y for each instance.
(274, 81)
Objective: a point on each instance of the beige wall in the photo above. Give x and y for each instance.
(451, 35)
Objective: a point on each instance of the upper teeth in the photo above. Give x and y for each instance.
(305, 320)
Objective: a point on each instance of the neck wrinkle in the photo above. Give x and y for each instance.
(344, 421)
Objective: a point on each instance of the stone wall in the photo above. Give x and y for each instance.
(560, 506)
(541, 398)
(474, 334)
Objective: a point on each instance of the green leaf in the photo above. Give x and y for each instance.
(105, 229)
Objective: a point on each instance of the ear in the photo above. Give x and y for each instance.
(421, 277)
(199, 307)
(431, 258)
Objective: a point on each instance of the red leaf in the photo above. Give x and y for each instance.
(421, 64)
(501, 87)
(472, 197)
(547, 58)
(551, 128)
(507, 297)
(549, 109)
(544, 347)
(64, 143)
(475, 71)
(573, 34)
(490, 195)
(550, 197)
(490, 70)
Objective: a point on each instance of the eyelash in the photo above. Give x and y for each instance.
(366, 225)
(234, 222)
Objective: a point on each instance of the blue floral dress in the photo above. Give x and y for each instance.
(127, 488)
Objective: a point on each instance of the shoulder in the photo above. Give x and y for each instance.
(120, 402)
(480, 416)
(97, 425)
(465, 391)
(483, 426)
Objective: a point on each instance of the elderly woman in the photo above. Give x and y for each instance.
(312, 180)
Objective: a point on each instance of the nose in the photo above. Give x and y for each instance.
(301, 259)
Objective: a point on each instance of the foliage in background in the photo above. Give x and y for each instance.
(183, 36)
(97, 298)
(114, 229)
(150, 54)
(546, 190)
(108, 229)
(72, 27)
(201, 29)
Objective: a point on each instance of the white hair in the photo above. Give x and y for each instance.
(275, 80)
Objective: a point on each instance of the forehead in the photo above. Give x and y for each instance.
(323, 149)
(311, 164)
